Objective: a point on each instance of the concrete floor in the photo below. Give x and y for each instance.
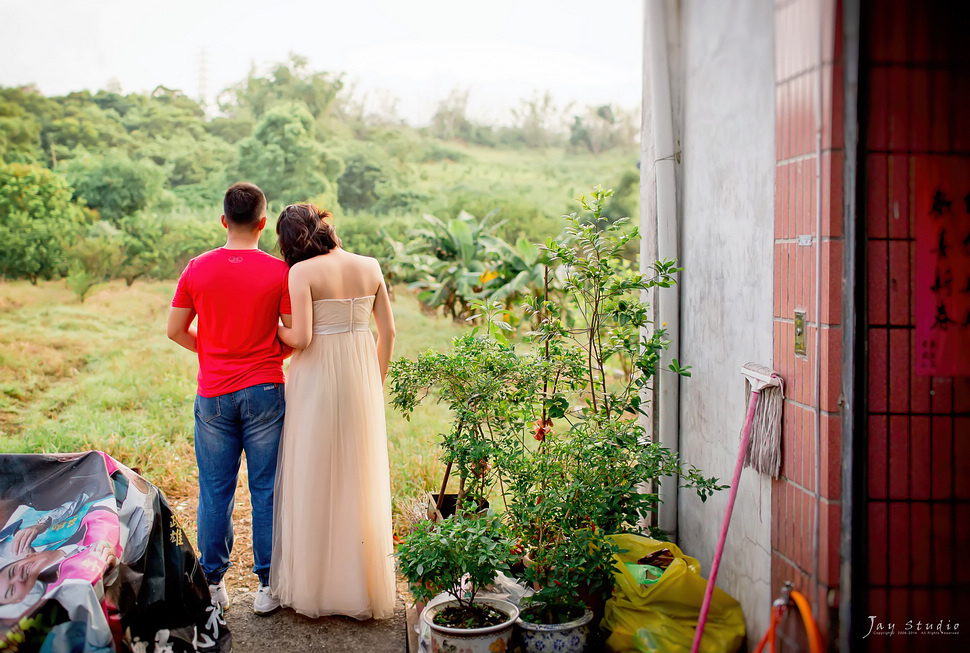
(288, 632)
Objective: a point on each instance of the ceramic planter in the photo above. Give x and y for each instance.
(491, 639)
(569, 637)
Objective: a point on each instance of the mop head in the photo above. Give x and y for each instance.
(764, 444)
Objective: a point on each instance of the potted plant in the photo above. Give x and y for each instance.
(460, 555)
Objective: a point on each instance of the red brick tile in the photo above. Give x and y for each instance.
(942, 551)
(900, 366)
(942, 457)
(878, 542)
(831, 282)
(808, 440)
(898, 32)
(942, 394)
(899, 277)
(919, 537)
(961, 128)
(897, 109)
(877, 282)
(793, 277)
(827, 115)
(898, 209)
(838, 105)
(898, 457)
(961, 458)
(921, 98)
(919, 385)
(775, 521)
(830, 529)
(777, 251)
(831, 387)
(878, 370)
(941, 108)
(878, 123)
(920, 463)
(799, 515)
(877, 195)
(787, 439)
(962, 524)
(911, 253)
(921, 32)
(831, 457)
(899, 527)
(779, 201)
(961, 395)
(877, 456)
(795, 203)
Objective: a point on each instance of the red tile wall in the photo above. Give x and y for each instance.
(809, 67)
(916, 74)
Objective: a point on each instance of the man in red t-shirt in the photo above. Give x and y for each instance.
(238, 293)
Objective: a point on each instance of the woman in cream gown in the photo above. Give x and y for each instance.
(332, 542)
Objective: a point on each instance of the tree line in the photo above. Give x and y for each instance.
(97, 185)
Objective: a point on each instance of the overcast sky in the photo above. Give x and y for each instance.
(583, 51)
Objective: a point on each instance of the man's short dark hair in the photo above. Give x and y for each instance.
(244, 204)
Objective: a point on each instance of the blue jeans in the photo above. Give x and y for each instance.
(249, 420)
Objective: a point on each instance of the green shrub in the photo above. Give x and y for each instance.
(37, 218)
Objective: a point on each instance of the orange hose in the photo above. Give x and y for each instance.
(770, 633)
(811, 627)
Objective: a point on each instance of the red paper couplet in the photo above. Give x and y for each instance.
(942, 291)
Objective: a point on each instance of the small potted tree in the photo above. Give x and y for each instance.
(460, 555)
(589, 470)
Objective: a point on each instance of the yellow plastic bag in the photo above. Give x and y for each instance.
(662, 616)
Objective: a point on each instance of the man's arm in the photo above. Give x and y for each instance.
(181, 329)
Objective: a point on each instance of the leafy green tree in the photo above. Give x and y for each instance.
(114, 185)
(19, 131)
(284, 159)
(288, 82)
(37, 218)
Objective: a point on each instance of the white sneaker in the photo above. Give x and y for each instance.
(219, 595)
(266, 602)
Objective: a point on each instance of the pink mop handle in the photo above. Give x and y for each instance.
(709, 592)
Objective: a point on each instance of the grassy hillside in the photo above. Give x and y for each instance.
(103, 375)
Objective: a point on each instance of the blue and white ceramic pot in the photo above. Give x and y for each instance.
(491, 639)
(569, 637)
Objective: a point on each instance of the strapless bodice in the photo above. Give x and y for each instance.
(332, 316)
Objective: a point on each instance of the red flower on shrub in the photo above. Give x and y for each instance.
(541, 429)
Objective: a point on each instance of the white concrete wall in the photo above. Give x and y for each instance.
(728, 144)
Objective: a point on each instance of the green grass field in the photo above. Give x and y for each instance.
(103, 375)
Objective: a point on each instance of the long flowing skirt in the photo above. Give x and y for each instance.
(332, 541)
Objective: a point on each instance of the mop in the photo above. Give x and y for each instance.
(764, 393)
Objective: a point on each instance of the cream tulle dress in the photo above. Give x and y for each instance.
(332, 542)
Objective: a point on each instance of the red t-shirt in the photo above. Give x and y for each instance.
(238, 295)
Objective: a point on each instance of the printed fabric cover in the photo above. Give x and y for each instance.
(93, 560)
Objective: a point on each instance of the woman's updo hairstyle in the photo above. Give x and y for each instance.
(305, 231)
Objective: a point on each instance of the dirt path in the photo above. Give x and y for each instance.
(286, 631)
